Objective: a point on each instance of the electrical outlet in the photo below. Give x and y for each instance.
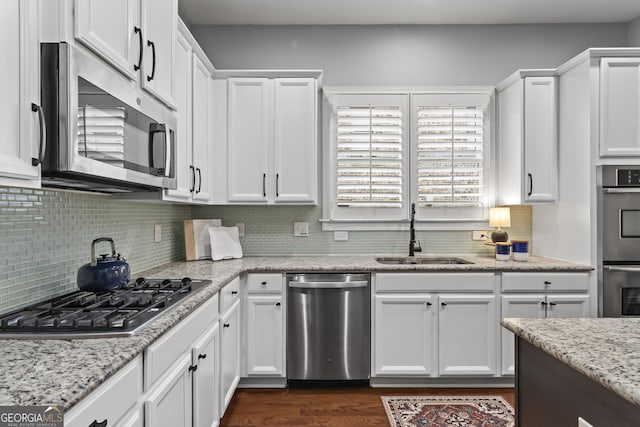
(301, 229)
(157, 233)
(480, 235)
(240, 226)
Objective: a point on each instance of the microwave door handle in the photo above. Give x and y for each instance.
(43, 135)
(153, 129)
(167, 153)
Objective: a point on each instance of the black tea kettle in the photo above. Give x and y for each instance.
(105, 273)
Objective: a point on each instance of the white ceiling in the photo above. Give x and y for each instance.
(358, 12)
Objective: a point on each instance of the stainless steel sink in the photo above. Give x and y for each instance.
(422, 260)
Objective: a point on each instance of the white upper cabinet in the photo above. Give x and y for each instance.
(112, 30)
(19, 85)
(137, 37)
(527, 141)
(193, 99)
(272, 140)
(620, 107)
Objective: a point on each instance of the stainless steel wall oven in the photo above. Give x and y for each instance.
(619, 240)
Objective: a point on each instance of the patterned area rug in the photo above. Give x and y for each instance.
(448, 411)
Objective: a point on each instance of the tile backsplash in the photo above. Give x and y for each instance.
(269, 231)
(45, 236)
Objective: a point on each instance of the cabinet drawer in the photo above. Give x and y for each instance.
(547, 282)
(160, 355)
(264, 283)
(112, 400)
(229, 294)
(434, 282)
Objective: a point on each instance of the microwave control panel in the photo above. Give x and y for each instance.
(628, 178)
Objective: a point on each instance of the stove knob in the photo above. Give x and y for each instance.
(140, 280)
(186, 280)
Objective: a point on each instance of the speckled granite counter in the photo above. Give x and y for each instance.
(605, 350)
(62, 372)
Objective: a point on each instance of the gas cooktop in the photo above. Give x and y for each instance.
(82, 314)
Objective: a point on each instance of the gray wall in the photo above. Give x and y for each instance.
(634, 32)
(404, 55)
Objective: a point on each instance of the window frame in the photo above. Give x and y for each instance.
(331, 222)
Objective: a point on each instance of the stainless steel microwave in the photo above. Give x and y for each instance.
(103, 133)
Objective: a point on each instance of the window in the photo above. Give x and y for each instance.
(450, 152)
(369, 157)
(384, 152)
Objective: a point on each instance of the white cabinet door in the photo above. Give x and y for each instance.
(295, 134)
(185, 172)
(248, 139)
(229, 353)
(567, 306)
(19, 85)
(111, 29)
(206, 379)
(620, 107)
(170, 404)
(159, 24)
(403, 335)
(265, 335)
(467, 329)
(526, 306)
(540, 139)
(201, 141)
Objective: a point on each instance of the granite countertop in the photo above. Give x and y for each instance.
(63, 371)
(607, 350)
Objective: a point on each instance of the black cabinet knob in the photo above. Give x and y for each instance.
(263, 284)
(202, 356)
(546, 282)
(234, 292)
(225, 325)
(193, 368)
(278, 304)
(443, 304)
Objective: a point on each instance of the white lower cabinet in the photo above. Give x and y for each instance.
(206, 379)
(114, 403)
(182, 372)
(432, 333)
(265, 336)
(540, 295)
(403, 334)
(467, 334)
(170, 402)
(229, 353)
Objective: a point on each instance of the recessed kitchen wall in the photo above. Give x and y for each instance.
(269, 231)
(45, 236)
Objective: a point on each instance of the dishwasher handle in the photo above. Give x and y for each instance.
(329, 285)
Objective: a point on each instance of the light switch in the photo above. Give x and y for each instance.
(341, 236)
(301, 229)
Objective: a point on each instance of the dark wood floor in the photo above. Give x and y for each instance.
(341, 407)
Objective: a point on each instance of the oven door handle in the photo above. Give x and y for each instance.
(621, 190)
(630, 269)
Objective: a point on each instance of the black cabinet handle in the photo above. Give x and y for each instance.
(225, 325)
(443, 304)
(278, 304)
(429, 304)
(193, 368)
(264, 185)
(153, 64)
(199, 180)
(234, 292)
(552, 303)
(546, 282)
(202, 356)
(277, 179)
(530, 184)
(138, 31)
(95, 423)
(263, 284)
(193, 178)
(35, 161)
(543, 303)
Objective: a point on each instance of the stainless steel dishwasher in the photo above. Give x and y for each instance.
(328, 328)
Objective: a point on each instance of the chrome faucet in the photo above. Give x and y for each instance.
(412, 234)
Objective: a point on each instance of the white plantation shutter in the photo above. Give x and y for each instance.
(450, 156)
(369, 153)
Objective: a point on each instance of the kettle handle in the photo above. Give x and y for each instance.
(94, 260)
